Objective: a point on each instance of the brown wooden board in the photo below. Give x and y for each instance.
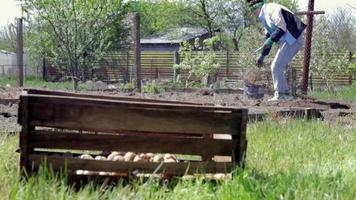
(58, 163)
(126, 143)
(116, 116)
(103, 97)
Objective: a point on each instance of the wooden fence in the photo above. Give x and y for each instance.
(118, 66)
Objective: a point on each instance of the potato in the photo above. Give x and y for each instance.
(168, 156)
(188, 177)
(84, 172)
(209, 176)
(145, 157)
(138, 159)
(158, 158)
(170, 160)
(219, 176)
(79, 172)
(100, 158)
(119, 158)
(150, 155)
(104, 173)
(112, 155)
(86, 156)
(129, 156)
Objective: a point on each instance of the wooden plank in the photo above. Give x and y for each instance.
(104, 97)
(57, 163)
(240, 149)
(135, 143)
(116, 116)
(25, 150)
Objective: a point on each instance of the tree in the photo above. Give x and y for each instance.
(342, 26)
(73, 34)
(198, 64)
(325, 62)
(8, 38)
(204, 13)
(158, 16)
(233, 18)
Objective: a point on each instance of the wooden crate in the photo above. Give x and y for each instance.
(55, 123)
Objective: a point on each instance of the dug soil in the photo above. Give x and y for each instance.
(331, 110)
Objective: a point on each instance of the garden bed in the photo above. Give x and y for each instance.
(330, 110)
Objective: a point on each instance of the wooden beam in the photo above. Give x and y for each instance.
(19, 53)
(137, 48)
(310, 13)
(101, 97)
(116, 116)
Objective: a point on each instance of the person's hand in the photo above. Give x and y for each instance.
(260, 60)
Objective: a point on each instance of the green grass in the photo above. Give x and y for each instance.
(347, 93)
(286, 159)
(32, 82)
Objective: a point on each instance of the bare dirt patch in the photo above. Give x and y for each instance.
(331, 110)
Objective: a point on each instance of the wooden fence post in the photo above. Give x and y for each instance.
(176, 61)
(137, 48)
(311, 81)
(128, 67)
(292, 76)
(19, 53)
(350, 60)
(227, 64)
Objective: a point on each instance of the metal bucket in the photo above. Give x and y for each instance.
(254, 91)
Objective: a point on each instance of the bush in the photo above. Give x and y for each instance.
(152, 88)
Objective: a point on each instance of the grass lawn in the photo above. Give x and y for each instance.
(286, 159)
(347, 93)
(36, 83)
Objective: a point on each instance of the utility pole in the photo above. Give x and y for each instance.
(19, 52)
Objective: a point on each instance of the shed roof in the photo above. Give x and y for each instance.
(176, 35)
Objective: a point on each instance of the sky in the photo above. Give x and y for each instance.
(9, 9)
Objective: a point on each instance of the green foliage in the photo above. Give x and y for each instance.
(342, 29)
(198, 64)
(157, 16)
(152, 87)
(33, 82)
(8, 38)
(346, 93)
(73, 34)
(325, 63)
(128, 87)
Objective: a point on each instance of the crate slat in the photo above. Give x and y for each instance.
(102, 97)
(154, 143)
(116, 116)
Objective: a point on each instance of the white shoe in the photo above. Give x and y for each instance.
(281, 97)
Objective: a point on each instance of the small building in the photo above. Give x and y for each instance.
(7, 62)
(171, 40)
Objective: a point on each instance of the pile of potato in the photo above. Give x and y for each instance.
(134, 157)
(127, 157)
(145, 157)
(209, 176)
